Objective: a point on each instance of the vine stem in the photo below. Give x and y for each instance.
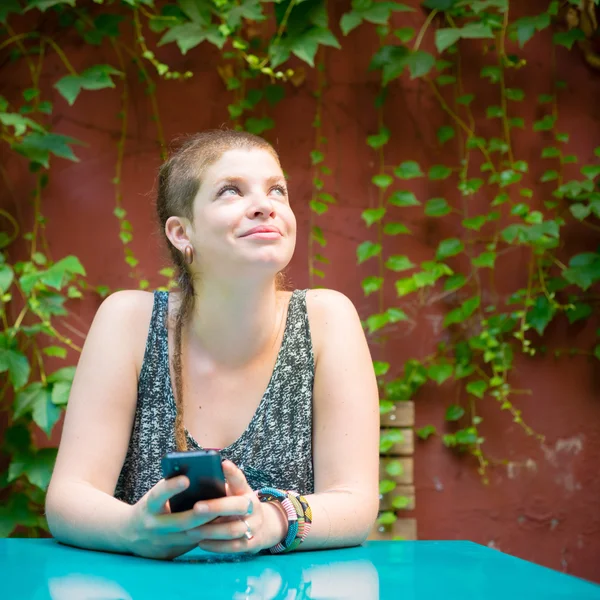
(280, 31)
(504, 104)
(458, 120)
(424, 28)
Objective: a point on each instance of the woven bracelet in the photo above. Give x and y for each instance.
(298, 513)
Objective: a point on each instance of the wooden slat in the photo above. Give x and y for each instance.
(405, 529)
(406, 491)
(403, 415)
(405, 447)
(405, 464)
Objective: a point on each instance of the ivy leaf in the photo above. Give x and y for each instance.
(437, 172)
(454, 412)
(437, 207)
(584, 270)
(580, 311)
(515, 94)
(379, 140)
(38, 146)
(454, 282)
(380, 368)
(426, 431)
(449, 247)
(406, 286)
(7, 7)
(403, 198)
(60, 393)
(316, 157)
(37, 467)
(377, 321)
(445, 133)
(20, 123)
(94, 78)
(6, 277)
(395, 229)
(258, 126)
(446, 37)
(463, 312)
(475, 223)
(466, 99)
(387, 518)
(466, 436)
(404, 34)
(525, 27)
(367, 250)
(46, 4)
(439, 373)
(485, 259)
(408, 170)
(350, 21)
(306, 45)
(419, 63)
(190, 35)
(55, 351)
(372, 215)
(382, 181)
(386, 486)
(580, 211)
(65, 374)
(439, 4)
(399, 263)
(394, 468)
(540, 314)
(568, 38)
(477, 388)
(590, 171)
(396, 315)
(15, 362)
(371, 284)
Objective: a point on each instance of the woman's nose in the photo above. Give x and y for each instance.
(263, 205)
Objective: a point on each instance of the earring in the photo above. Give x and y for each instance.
(188, 254)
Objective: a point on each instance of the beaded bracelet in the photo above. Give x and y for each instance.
(299, 515)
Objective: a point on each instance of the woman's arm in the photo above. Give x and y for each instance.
(80, 506)
(345, 425)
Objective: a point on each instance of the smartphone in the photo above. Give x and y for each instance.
(203, 469)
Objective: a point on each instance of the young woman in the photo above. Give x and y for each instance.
(280, 382)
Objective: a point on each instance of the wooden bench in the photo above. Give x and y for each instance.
(399, 461)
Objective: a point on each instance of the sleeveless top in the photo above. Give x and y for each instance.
(276, 447)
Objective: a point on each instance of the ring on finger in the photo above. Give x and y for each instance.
(248, 533)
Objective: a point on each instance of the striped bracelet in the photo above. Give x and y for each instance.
(299, 516)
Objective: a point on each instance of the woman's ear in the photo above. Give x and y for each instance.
(176, 229)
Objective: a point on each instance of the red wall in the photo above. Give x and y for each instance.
(544, 504)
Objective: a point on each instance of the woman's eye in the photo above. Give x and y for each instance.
(281, 191)
(229, 188)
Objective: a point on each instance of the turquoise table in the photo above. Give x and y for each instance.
(42, 569)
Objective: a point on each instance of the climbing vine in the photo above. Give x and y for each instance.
(489, 200)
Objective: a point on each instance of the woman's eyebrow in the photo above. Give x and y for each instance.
(237, 179)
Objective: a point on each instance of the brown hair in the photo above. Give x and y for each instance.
(179, 180)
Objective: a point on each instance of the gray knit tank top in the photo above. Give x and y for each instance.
(275, 449)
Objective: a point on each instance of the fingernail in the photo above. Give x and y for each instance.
(201, 508)
(182, 484)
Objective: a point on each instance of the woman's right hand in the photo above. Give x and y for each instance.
(152, 531)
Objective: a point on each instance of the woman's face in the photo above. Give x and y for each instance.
(242, 216)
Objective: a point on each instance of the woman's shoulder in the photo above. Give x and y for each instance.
(323, 301)
(127, 313)
(127, 303)
(330, 313)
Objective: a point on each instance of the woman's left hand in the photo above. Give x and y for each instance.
(264, 522)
